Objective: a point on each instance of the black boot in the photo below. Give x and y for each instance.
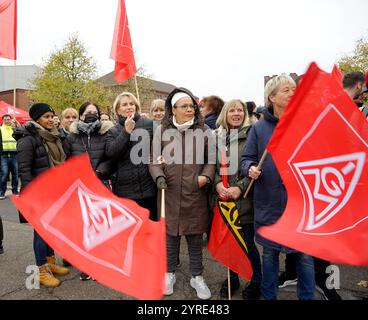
(252, 291)
(234, 283)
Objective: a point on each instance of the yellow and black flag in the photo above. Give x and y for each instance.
(226, 243)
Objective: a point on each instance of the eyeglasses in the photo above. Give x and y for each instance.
(186, 106)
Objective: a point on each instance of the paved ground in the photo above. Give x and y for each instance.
(19, 254)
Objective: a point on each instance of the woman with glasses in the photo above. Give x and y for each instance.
(177, 167)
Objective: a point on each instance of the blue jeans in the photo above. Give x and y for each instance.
(253, 254)
(9, 164)
(41, 249)
(270, 280)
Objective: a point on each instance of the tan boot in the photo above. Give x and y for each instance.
(54, 268)
(46, 277)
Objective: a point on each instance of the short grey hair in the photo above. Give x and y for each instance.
(273, 86)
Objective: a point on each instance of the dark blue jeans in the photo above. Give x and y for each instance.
(253, 254)
(9, 164)
(41, 249)
(270, 280)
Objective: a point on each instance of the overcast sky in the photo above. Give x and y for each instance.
(209, 46)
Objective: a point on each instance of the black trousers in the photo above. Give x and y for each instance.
(151, 205)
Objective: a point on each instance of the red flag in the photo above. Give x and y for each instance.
(226, 243)
(122, 48)
(107, 237)
(323, 164)
(8, 29)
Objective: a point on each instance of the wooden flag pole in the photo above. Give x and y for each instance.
(15, 83)
(163, 203)
(259, 167)
(228, 283)
(136, 88)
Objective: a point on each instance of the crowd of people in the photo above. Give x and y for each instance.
(192, 177)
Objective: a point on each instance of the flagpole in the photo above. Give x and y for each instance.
(228, 283)
(163, 203)
(136, 88)
(259, 167)
(15, 83)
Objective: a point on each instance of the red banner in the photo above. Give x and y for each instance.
(320, 149)
(8, 29)
(107, 237)
(122, 48)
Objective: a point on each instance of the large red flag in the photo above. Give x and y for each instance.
(107, 237)
(320, 148)
(226, 243)
(8, 29)
(122, 48)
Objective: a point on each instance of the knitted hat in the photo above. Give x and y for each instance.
(39, 109)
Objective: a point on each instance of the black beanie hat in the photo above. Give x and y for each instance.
(38, 109)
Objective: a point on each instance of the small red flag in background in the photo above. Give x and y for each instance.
(8, 29)
(122, 48)
(320, 149)
(107, 237)
(226, 243)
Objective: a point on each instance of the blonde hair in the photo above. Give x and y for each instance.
(117, 101)
(157, 104)
(273, 86)
(222, 118)
(68, 110)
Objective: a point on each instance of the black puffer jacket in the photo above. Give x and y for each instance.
(132, 181)
(32, 156)
(78, 142)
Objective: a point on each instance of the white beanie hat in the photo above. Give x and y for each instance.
(178, 96)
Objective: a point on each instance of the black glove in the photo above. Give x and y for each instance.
(161, 183)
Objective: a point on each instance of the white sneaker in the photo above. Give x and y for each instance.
(200, 286)
(170, 280)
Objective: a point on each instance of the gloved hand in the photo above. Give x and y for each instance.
(161, 183)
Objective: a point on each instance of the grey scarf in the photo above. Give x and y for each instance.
(89, 128)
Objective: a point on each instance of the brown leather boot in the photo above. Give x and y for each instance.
(54, 268)
(46, 277)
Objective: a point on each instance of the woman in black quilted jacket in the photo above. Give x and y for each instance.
(128, 143)
(89, 135)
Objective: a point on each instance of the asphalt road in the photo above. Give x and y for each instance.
(19, 254)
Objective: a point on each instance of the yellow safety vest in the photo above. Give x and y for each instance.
(9, 143)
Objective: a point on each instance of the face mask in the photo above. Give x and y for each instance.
(90, 118)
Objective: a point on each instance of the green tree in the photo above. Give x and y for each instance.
(358, 61)
(145, 88)
(67, 79)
